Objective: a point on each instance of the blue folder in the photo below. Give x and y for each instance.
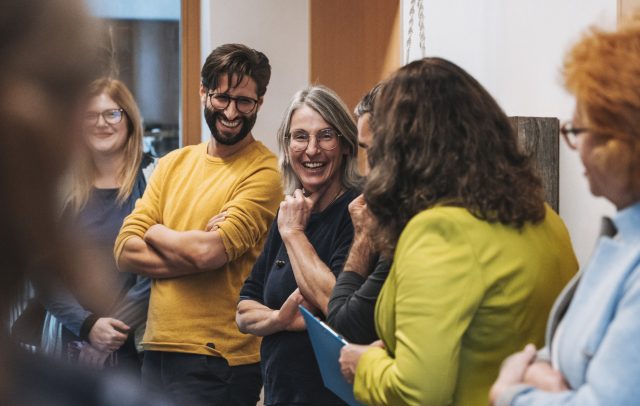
(326, 345)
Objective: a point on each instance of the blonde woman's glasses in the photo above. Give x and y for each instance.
(111, 116)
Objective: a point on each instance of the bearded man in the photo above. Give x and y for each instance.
(197, 232)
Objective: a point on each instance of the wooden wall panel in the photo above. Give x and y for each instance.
(626, 8)
(353, 44)
(190, 73)
(539, 137)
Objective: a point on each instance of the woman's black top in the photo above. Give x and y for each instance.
(289, 368)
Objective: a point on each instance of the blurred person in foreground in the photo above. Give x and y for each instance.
(110, 175)
(478, 256)
(592, 356)
(45, 67)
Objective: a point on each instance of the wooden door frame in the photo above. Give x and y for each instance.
(626, 8)
(190, 72)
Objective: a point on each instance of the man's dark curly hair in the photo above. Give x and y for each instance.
(238, 60)
(441, 139)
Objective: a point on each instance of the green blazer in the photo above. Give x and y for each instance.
(461, 296)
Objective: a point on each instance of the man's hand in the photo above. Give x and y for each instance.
(350, 356)
(153, 232)
(212, 224)
(107, 334)
(360, 215)
(362, 255)
(92, 357)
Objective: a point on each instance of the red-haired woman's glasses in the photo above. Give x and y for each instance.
(571, 133)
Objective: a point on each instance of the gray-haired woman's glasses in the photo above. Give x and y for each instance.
(326, 139)
(111, 116)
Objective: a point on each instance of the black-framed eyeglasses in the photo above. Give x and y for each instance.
(571, 133)
(326, 139)
(111, 116)
(244, 105)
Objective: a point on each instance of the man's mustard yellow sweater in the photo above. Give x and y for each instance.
(196, 313)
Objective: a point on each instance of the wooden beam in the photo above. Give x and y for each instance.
(626, 9)
(354, 45)
(539, 137)
(190, 73)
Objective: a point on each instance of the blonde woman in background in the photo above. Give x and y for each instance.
(108, 179)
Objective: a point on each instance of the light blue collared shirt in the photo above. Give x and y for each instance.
(599, 348)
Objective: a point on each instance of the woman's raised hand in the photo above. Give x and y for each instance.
(294, 213)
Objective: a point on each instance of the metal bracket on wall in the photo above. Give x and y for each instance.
(416, 4)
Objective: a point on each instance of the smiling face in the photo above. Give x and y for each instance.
(102, 137)
(229, 126)
(318, 170)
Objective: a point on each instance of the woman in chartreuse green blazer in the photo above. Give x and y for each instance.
(461, 295)
(479, 257)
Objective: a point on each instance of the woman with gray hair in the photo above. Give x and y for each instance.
(306, 247)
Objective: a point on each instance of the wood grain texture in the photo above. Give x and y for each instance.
(626, 8)
(539, 138)
(354, 45)
(190, 73)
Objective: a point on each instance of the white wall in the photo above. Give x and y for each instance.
(515, 49)
(279, 29)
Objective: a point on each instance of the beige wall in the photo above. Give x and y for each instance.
(354, 44)
(626, 8)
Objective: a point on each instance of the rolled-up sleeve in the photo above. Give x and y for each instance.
(353, 301)
(146, 213)
(250, 211)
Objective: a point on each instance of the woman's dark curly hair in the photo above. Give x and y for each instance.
(440, 138)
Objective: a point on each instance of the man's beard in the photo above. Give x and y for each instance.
(211, 117)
